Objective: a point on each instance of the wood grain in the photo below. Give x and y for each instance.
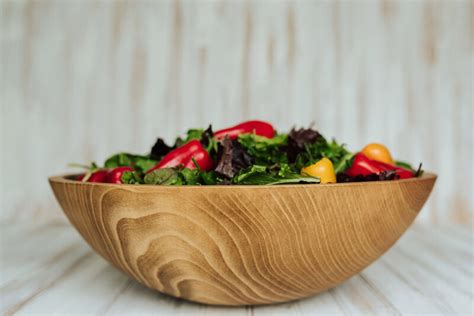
(80, 80)
(241, 245)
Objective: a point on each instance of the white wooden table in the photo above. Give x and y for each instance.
(47, 268)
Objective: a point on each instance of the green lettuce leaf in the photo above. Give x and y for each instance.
(190, 176)
(131, 177)
(138, 162)
(164, 176)
(260, 175)
(337, 153)
(265, 151)
(195, 133)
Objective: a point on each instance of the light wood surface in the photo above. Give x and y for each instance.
(242, 245)
(80, 80)
(429, 271)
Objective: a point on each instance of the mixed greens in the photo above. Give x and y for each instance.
(251, 153)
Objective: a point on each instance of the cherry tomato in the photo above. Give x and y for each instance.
(378, 152)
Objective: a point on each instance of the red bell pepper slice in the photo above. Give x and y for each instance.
(402, 172)
(258, 127)
(96, 176)
(115, 175)
(365, 166)
(184, 156)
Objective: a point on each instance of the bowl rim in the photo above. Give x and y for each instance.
(65, 179)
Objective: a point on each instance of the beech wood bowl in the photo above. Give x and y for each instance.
(242, 245)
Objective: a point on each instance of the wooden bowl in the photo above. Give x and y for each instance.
(242, 245)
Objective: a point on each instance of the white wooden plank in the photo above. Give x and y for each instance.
(458, 240)
(82, 80)
(321, 304)
(85, 288)
(56, 242)
(291, 309)
(438, 264)
(22, 289)
(463, 232)
(138, 299)
(27, 270)
(33, 273)
(444, 295)
(357, 297)
(459, 249)
(460, 259)
(405, 298)
(235, 311)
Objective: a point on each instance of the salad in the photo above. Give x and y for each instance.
(250, 153)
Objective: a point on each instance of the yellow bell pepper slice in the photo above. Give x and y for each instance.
(323, 169)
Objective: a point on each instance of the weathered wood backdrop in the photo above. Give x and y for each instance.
(83, 79)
